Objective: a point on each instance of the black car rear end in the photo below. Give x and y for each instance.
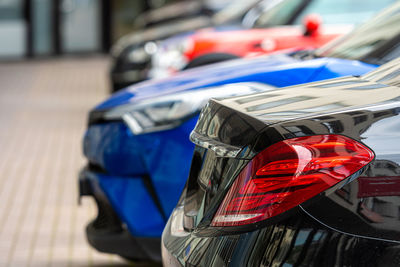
(303, 176)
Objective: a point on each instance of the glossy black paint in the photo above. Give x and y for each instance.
(297, 241)
(356, 223)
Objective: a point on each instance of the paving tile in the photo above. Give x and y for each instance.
(43, 109)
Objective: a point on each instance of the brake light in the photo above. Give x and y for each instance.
(287, 174)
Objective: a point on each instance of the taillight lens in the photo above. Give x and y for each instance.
(287, 174)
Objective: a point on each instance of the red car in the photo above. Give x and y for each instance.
(242, 43)
(280, 25)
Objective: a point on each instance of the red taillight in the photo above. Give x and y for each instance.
(288, 173)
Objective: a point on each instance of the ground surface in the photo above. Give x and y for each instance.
(43, 109)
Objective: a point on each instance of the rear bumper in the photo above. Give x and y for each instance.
(296, 241)
(106, 233)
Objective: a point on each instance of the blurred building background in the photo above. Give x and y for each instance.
(43, 111)
(37, 28)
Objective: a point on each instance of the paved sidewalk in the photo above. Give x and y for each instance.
(43, 108)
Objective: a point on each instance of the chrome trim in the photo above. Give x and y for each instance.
(220, 149)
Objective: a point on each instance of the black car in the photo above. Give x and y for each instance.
(307, 175)
(131, 55)
(169, 12)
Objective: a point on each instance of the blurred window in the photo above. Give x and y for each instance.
(80, 29)
(343, 11)
(217, 4)
(12, 29)
(279, 14)
(11, 10)
(376, 41)
(331, 11)
(123, 16)
(42, 27)
(233, 11)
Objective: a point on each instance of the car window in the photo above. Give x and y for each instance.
(279, 14)
(233, 11)
(331, 11)
(375, 35)
(216, 5)
(343, 11)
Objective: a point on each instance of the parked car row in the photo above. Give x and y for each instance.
(264, 26)
(132, 53)
(258, 175)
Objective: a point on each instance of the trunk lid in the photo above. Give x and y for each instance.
(230, 132)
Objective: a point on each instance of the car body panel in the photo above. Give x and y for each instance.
(299, 241)
(125, 71)
(277, 70)
(130, 194)
(177, 52)
(111, 146)
(159, 32)
(361, 211)
(259, 41)
(134, 179)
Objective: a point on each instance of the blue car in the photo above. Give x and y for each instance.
(137, 142)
